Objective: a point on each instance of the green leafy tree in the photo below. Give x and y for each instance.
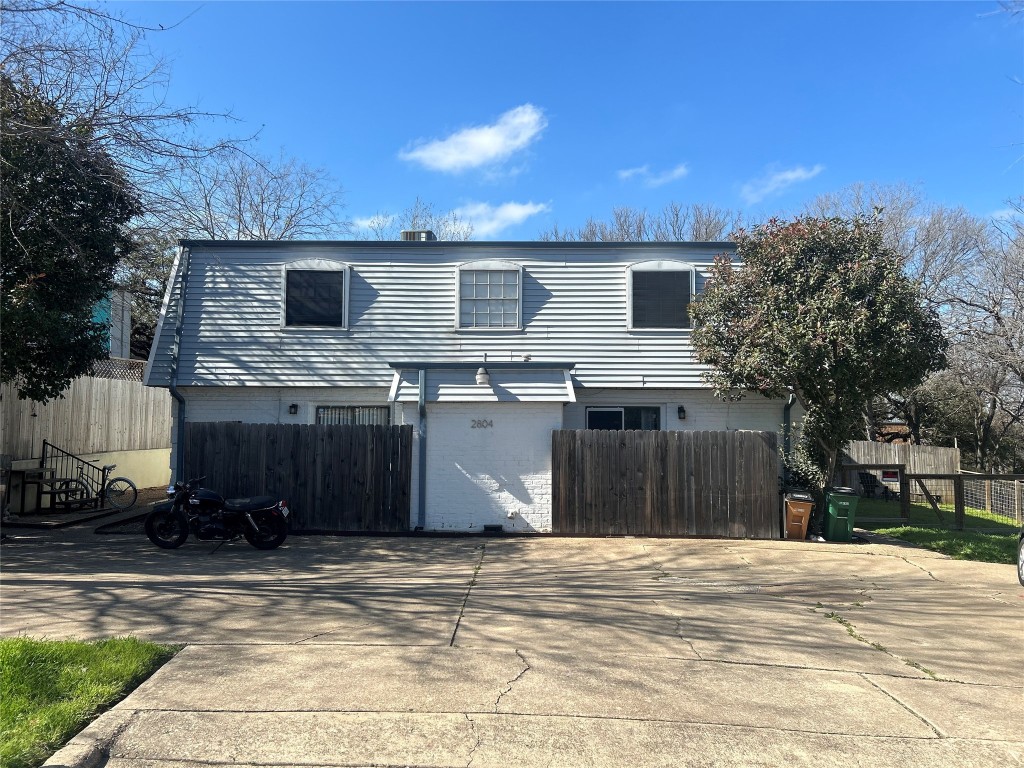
(819, 307)
(63, 208)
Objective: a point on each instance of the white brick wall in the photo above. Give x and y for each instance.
(480, 475)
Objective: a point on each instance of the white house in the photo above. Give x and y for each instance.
(485, 347)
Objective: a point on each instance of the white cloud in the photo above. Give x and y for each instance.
(370, 221)
(480, 145)
(489, 220)
(654, 179)
(629, 173)
(1005, 214)
(776, 182)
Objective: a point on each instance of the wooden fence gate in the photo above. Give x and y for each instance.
(654, 483)
(335, 478)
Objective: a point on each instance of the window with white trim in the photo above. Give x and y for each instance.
(353, 414)
(490, 295)
(315, 294)
(659, 295)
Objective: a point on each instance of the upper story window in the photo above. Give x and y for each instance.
(316, 294)
(490, 295)
(659, 294)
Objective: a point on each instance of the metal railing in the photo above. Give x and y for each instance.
(71, 480)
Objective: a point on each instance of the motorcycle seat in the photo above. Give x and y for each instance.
(250, 504)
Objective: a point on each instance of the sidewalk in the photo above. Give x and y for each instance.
(524, 652)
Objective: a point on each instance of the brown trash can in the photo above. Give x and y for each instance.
(799, 507)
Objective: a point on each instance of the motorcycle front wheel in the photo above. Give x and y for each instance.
(273, 530)
(168, 529)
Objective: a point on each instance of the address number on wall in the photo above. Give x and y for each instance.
(482, 423)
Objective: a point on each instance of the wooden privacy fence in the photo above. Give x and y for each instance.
(918, 459)
(95, 415)
(335, 478)
(657, 483)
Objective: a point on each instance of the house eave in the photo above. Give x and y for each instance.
(521, 365)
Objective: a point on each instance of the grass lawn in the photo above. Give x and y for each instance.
(960, 545)
(986, 537)
(50, 689)
(875, 513)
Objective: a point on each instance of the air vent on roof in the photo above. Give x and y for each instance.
(418, 234)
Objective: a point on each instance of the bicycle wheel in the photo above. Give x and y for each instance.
(71, 494)
(121, 493)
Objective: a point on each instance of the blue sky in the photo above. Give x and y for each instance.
(523, 115)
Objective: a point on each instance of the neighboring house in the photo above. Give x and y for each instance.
(501, 343)
(115, 312)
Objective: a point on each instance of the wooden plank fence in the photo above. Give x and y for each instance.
(918, 459)
(95, 415)
(663, 483)
(335, 478)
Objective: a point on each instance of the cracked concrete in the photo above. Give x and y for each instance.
(603, 652)
(508, 686)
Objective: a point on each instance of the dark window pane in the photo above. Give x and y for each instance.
(661, 299)
(642, 418)
(315, 298)
(604, 419)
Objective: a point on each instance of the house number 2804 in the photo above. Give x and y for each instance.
(482, 423)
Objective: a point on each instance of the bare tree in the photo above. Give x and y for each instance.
(676, 222)
(420, 215)
(94, 67)
(939, 244)
(237, 196)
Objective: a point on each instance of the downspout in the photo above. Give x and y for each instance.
(179, 469)
(421, 484)
(786, 429)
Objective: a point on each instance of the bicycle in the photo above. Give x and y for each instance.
(76, 492)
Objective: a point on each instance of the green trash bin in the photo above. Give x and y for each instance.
(842, 509)
(842, 506)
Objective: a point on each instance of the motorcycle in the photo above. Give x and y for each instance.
(262, 520)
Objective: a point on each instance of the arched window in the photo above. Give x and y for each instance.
(489, 296)
(315, 294)
(659, 295)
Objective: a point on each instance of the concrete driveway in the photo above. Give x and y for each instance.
(539, 651)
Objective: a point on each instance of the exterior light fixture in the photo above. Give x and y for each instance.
(681, 412)
(483, 378)
(293, 409)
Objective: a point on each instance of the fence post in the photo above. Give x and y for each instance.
(1018, 501)
(988, 495)
(958, 500)
(904, 493)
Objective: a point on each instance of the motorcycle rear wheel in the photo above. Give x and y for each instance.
(168, 530)
(273, 530)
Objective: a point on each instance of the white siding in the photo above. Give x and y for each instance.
(459, 386)
(402, 307)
